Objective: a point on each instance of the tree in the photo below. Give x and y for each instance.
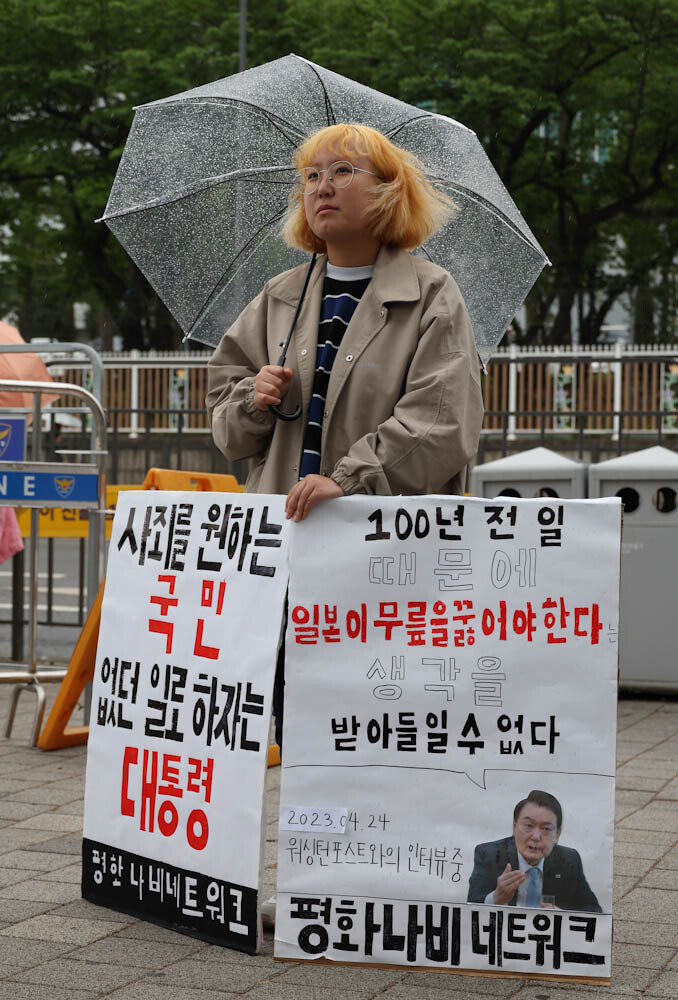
(71, 75)
(575, 102)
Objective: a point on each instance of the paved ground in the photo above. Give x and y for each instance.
(54, 946)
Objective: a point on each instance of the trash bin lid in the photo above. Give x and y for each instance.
(649, 463)
(536, 463)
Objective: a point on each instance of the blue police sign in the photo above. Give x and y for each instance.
(12, 439)
(63, 488)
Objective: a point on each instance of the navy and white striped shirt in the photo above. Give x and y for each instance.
(342, 291)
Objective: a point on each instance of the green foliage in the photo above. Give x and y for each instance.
(575, 102)
(71, 75)
(576, 105)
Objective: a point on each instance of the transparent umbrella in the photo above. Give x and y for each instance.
(204, 179)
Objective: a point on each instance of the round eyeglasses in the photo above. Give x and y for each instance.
(339, 174)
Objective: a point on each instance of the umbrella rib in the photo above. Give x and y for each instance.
(472, 196)
(243, 250)
(329, 110)
(272, 119)
(236, 102)
(398, 128)
(203, 185)
(276, 123)
(428, 116)
(489, 207)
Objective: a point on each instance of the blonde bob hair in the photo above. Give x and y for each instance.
(405, 209)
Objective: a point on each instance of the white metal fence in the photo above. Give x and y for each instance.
(552, 389)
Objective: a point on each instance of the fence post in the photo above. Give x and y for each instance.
(617, 369)
(18, 606)
(512, 392)
(134, 396)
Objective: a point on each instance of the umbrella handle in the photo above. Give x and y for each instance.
(286, 416)
(296, 413)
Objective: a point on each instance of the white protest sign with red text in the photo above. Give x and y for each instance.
(445, 658)
(181, 705)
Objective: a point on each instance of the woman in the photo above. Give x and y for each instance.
(385, 365)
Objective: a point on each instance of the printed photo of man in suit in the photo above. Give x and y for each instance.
(530, 868)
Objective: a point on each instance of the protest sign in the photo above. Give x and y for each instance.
(445, 659)
(181, 705)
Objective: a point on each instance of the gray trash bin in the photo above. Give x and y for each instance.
(647, 482)
(538, 472)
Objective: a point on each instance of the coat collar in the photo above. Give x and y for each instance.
(394, 279)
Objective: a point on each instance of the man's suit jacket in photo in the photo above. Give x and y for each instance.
(563, 879)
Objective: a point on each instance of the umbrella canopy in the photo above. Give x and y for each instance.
(22, 367)
(205, 176)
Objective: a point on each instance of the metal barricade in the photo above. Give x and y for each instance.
(54, 354)
(35, 485)
(71, 350)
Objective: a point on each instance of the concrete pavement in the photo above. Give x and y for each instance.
(55, 946)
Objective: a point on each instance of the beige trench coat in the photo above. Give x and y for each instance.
(404, 405)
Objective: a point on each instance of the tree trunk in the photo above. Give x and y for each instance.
(561, 331)
(26, 309)
(643, 314)
(106, 328)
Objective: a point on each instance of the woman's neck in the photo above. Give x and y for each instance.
(354, 255)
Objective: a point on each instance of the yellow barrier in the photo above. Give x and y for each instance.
(174, 479)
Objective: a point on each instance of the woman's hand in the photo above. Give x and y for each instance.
(271, 385)
(309, 491)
